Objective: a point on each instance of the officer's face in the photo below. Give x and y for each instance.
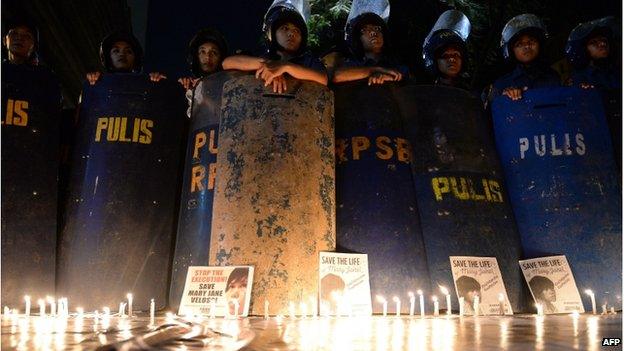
(526, 48)
(598, 47)
(372, 38)
(288, 36)
(209, 57)
(20, 42)
(450, 62)
(122, 56)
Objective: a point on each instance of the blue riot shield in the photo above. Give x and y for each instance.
(376, 210)
(558, 160)
(462, 200)
(195, 219)
(31, 102)
(122, 200)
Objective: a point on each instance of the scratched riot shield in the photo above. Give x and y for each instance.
(195, 218)
(31, 100)
(563, 183)
(462, 200)
(122, 201)
(376, 210)
(274, 199)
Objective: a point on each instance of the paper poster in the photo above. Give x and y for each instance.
(552, 284)
(219, 288)
(344, 287)
(480, 277)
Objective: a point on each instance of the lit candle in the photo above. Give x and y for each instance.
(398, 305)
(461, 306)
(80, 311)
(213, 309)
(27, 308)
(266, 309)
(7, 311)
(106, 312)
(384, 303)
(236, 306)
(593, 300)
(422, 303)
(444, 291)
(412, 299)
(436, 306)
(501, 302)
(475, 305)
(152, 311)
(122, 309)
(540, 309)
(612, 310)
(52, 306)
(291, 309)
(604, 309)
(129, 297)
(303, 309)
(41, 307)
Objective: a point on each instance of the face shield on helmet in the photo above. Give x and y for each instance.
(576, 51)
(451, 29)
(522, 24)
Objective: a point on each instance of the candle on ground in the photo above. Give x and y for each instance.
(397, 303)
(303, 309)
(52, 305)
(612, 310)
(41, 307)
(436, 306)
(461, 306)
(501, 302)
(412, 300)
(444, 291)
(122, 309)
(422, 303)
(266, 309)
(106, 312)
(27, 307)
(291, 309)
(384, 304)
(152, 311)
(540, 309)
(236, 306)
(130, 298)
(6, 312)
(593, 300)
(80, 312)
(604, 309)
(475, 305)
(213, 309)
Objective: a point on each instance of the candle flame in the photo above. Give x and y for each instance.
(419, 292)
(26, 298)
(396, 299)
(380, 299)
(501, 297)
(129, 296)
(589, 292)
(410, 294)
(434, 298)
(443, 290)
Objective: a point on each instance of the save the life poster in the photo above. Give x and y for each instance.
(221, 288)
(344, 287)
(480, 276)
(552, 284)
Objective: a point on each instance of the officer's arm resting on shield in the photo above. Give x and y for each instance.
(93, 77)
(375, 75)
(252, 63)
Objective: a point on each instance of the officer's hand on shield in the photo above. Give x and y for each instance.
(279, 84)
(514, 93)
(93, 77)
(157, 76)
(188, 82)
(380, 78)
(271, 69)
(396, 75)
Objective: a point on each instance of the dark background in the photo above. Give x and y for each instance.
(72, 29)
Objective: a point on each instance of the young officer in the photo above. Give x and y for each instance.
(366, 35)
(444, 49)
(205, 56)
(522, 40)
(286, 34)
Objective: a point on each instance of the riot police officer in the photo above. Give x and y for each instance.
(206, 52)
(367, 37)
(286, 34)
(522, 40)
(120, 52)
(444, 49)
(589, 50)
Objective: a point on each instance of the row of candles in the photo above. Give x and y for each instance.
(60, 307)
